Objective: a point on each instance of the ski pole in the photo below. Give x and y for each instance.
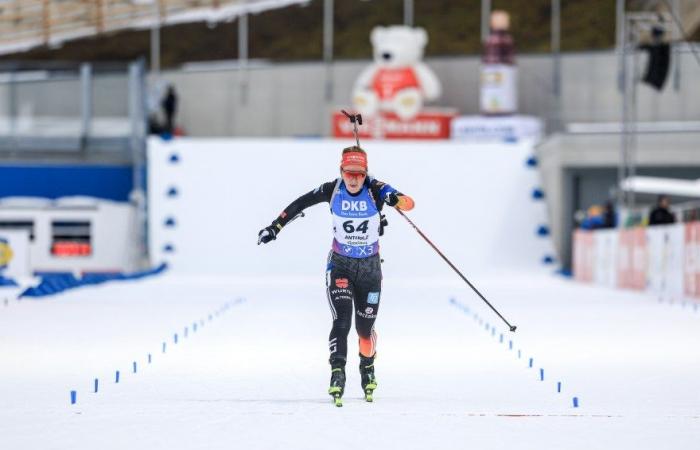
(511, 327)
(355, 119)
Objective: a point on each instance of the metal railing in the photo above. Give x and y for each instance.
(78, 110)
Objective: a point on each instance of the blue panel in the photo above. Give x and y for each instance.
(52, 181)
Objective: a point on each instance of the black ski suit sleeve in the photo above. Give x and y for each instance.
(322, 193)
(379, 189)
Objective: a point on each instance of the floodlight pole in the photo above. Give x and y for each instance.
(556, 64)
(328, 46)
(408, 13)
(155, 39)
(243, 56)
(485, 19)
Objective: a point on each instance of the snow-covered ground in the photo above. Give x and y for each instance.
(255, 375)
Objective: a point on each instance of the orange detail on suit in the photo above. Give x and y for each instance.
(368, 346)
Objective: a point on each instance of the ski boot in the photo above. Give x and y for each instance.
(369, 381)
(337, 386)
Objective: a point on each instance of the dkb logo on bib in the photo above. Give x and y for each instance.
(347, 205)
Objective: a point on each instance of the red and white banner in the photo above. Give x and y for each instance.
(605, 262)
(663, 259)
(665, 247)
(429, 124)
(584, 255)
(691, 261)
(632, 259)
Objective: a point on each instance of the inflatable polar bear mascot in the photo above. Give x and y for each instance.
(398, 81)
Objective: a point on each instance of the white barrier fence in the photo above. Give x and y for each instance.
(664, 260)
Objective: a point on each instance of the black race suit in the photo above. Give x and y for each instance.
(353, 285)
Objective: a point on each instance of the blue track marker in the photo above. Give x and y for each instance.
(558, 386)
(519, 354)
(209, 317)
(73, 397)
(194, 327)
(185, 332)
(530, 363)
(175, 338)
(493, 331)
(575, 402)
(97, 385)
(163, 347)
(149, 358)
(134, 365)
(541, 374)
(501, 338)
(510, 345)
(116, 377)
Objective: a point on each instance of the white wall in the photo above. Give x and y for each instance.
(473, 200)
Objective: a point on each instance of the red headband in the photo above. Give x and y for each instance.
(354, 159)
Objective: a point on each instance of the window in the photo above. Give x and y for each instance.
(18, 225)
(70, 238)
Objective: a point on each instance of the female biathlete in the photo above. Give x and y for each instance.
(353, 273)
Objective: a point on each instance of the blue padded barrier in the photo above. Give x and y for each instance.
(7, 281)
(55, 283)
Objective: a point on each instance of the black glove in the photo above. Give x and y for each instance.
(267, 234)
(391, 199)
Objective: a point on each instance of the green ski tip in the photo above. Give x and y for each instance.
(369, 398)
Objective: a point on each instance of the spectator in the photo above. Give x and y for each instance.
(169, 108)
(609, 216)
(594, 218)
(661, 214)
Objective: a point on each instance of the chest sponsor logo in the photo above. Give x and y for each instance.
(373, 298)
(341, 283)
(369, 310)
(353, 205)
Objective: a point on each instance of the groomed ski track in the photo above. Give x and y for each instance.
(255, 375)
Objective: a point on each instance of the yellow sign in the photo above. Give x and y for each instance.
(5, 253)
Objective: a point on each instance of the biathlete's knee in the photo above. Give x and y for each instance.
(368, 344)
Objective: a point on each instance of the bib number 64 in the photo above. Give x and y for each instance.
(349, 226)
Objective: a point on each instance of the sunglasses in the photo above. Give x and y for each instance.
(354, 173)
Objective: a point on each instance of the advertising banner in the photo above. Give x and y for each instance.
(691, 263)
(584, 255)
(665, 244)
(497, 127)
(428, 124)
(605, 264)
(632, 259)
(499, 89)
